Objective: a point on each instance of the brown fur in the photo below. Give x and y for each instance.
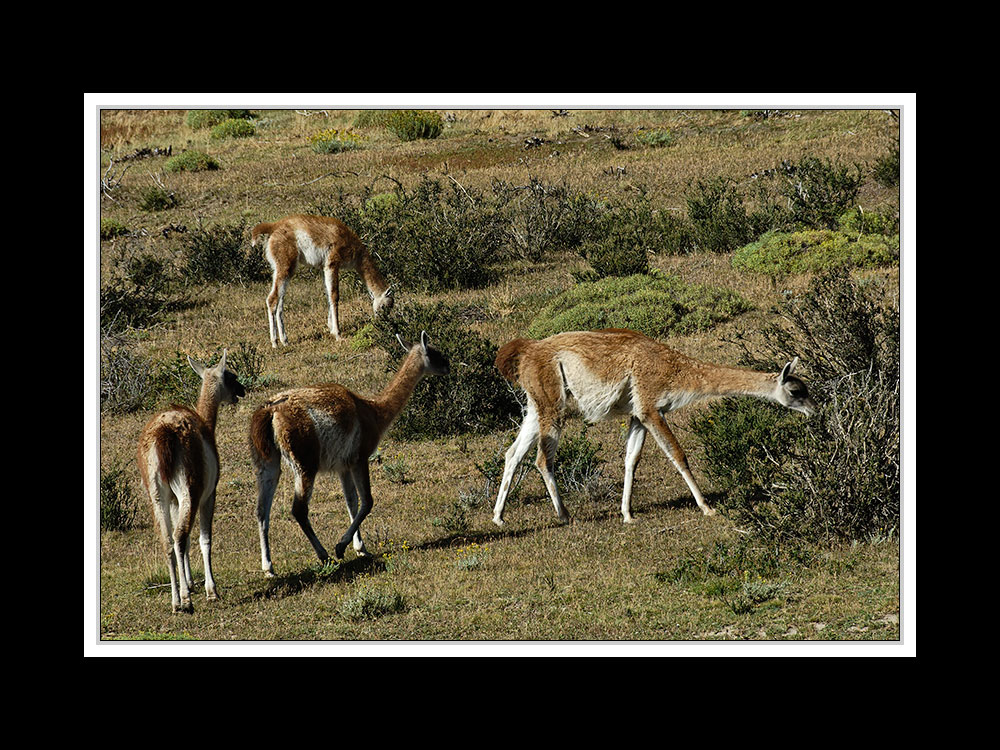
(617, 372)
(328, 428)
(174, 443)
(508, 358)
(343, 250)
(175, 436)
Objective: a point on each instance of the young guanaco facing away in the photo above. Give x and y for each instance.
(179, 467)
(612, 373)
(319, 241)
(327, 428)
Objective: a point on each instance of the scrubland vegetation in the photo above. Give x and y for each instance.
(739, 237)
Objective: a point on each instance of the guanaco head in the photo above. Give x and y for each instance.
(792, 392)
(382, 303)
(222, 381)
(434, 361)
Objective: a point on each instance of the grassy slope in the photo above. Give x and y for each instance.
(593, 580)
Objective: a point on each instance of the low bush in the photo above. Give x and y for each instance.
(833, 477)
(222, 253)
(333, 141)
(782, 253)
(621, 238)
(156, 198)
(119, 507)
(819, 191)
(125, 381)
(885, 171)
(578, 466)
(414, 124)
(657, 305)
(369, 602)
(111, 228)
(718, 215)
(206, 118)
(190, 161)
(880, 221)
(472, 398)
(431, 238)
(140, 290)
(723, 216)
(233, 128)
(654, 138)
(372, 118)
(545, 217)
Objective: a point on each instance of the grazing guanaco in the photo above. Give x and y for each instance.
(179, 466)
(318, 241)
(612, 373)
(327, 428)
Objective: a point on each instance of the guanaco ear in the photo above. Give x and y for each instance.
(388, 291)
(787, 370)
(424, 341)
(197, 366)
(406, 347)
(222, 362)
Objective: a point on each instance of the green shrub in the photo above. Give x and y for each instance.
(247, 363)
(205, 118)
(140, 290)
(370, 602)
(718, 215)
(372, 118)
(578, 466)
(654, 138)
(125, 382)
(156, 198)
(190, 161)
(615, 255)
(432, 238)
(886, 169)
(110, 228)
(780, 253)
(233, 128)
(473, 397)
(333, 141)
(413, 124)
(838, 326)
(545, 217)
(859, 221)
(656, 305)
(833, 477)
(119, 507)
(621, 238)
(173, 381)
(222, 253)
(818, 191)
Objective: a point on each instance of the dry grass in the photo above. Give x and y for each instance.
(594, 580)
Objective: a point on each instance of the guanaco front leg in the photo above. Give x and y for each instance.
(656, 425)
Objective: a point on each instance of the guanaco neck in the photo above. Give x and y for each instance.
(208, 405)
(390, 402)
(707, 380)
(374, 280)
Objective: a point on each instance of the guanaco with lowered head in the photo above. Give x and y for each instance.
(318, 241)
(327, 428)
(613, 373)
(179, 466)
